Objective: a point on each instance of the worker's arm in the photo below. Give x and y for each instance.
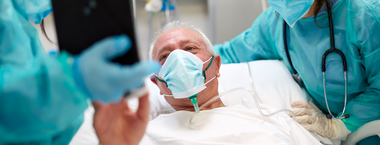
(256, 43)
(365, 35)
(42, 97)
(39, 100)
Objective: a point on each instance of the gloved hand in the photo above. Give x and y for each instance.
(312, 119)
(104, 80)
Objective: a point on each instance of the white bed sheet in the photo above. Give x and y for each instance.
(237, 124)
(271, 80)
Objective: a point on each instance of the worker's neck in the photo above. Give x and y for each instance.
(311, 11)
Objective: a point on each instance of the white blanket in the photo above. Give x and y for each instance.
(236, 124)
(272, 82)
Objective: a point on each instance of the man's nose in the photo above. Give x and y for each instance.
(173, 45)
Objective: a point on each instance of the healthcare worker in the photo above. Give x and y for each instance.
(42, 98)
(356, 26)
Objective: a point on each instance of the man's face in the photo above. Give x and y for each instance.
(191, 41)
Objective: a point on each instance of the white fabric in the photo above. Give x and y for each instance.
(227, 125)
(272, 82)
(271, 79)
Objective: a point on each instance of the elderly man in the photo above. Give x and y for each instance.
(194, 41)
(187, 56)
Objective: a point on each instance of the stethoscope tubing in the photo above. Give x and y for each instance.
(331, 50)
(332, 41)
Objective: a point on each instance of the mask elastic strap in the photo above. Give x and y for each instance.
(208, 59)
(204, 72)
(210, 80)
(162, 81)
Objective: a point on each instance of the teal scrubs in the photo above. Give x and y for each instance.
(357, 35)
(39, 100)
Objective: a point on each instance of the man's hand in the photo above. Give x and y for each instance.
(117, 124)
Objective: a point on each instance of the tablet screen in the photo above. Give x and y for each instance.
(81, 23)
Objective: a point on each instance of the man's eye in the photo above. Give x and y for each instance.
(163, 57)
(193, 50)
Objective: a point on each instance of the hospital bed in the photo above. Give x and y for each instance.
(271, 81)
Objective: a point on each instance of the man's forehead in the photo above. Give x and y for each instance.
(178, 35)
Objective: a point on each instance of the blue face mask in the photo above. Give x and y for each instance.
(291, 10)
(183, 74)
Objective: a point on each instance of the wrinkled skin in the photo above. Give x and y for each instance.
(117, 124)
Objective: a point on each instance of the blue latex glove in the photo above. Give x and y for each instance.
(104, 80)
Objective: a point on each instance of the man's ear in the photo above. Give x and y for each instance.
(154, 80)
(218, 62)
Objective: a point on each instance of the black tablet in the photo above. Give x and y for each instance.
(81, 23)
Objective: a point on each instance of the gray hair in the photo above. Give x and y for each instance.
(178, 24)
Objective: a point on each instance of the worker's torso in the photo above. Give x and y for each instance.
(307, 44)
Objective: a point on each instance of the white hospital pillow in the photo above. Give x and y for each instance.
(272, 81)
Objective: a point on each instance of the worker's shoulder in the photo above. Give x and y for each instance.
(270, 12)
(268, 18)
(365, 7)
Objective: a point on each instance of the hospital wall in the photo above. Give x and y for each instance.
(220, 20)
(229, 18)
(192, 11)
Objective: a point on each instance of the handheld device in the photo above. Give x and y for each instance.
(81, 23)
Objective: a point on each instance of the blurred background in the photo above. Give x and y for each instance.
(220, 20)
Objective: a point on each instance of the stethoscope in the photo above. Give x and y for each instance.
(297, 77)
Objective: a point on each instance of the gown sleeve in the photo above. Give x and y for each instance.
(365, 28)
(39, 100)
(255, 43)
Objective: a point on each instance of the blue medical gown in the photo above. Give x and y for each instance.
(39, 101)
(357, 35)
